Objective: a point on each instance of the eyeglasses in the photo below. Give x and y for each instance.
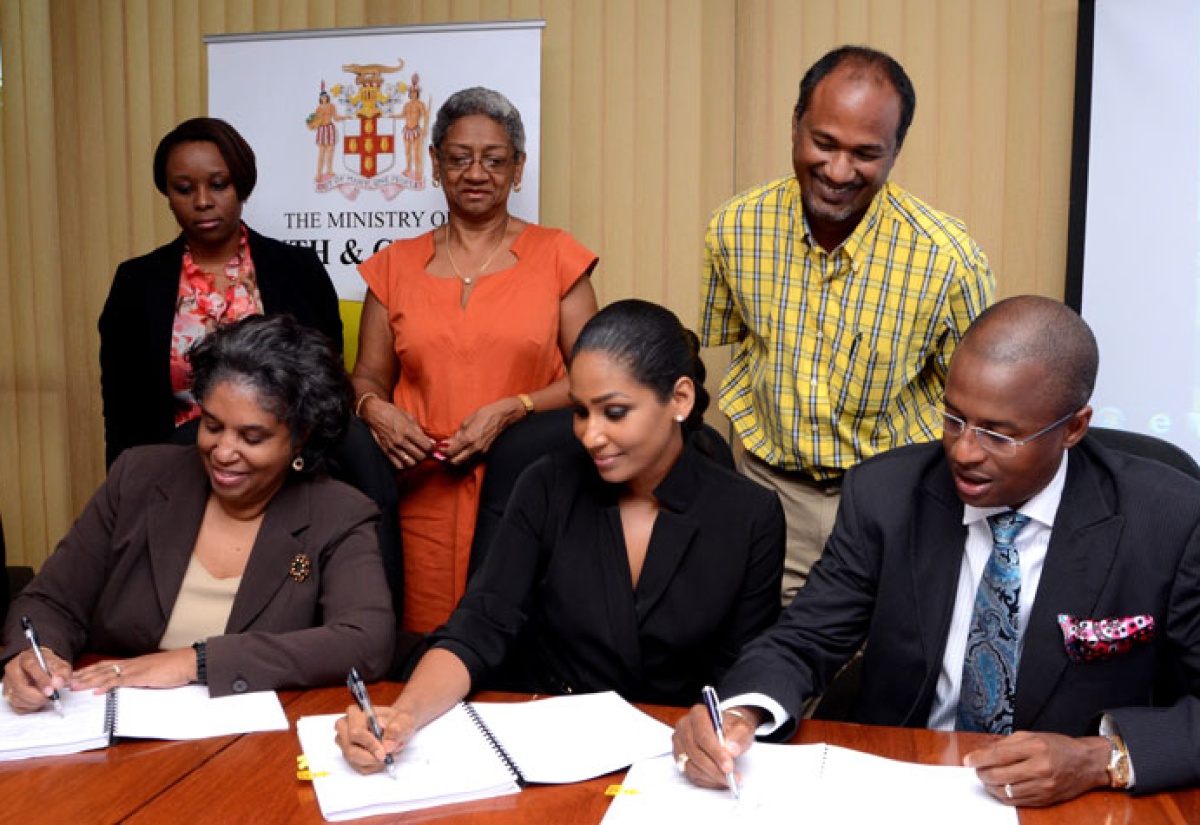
(993, 442)
(492, 164)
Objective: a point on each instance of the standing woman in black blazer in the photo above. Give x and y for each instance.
(216, 272)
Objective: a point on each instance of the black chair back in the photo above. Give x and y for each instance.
(1147, 446)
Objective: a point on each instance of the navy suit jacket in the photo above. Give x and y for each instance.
(138, 316)
(1126, 541)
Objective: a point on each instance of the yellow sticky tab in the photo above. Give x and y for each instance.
(304, 771)
(619, 790)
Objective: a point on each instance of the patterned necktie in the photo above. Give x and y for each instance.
(989, 683)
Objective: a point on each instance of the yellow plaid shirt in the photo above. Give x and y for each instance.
(838, 354)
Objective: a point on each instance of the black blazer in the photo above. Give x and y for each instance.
(136, 323)
(1126, 541)
(555, 596)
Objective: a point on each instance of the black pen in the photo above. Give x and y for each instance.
(359, 690)
(31, 635)
(714, 713)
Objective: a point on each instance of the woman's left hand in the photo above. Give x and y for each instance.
(479, 429)
(170, 668)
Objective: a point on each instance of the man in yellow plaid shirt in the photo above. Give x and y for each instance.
(844, 295)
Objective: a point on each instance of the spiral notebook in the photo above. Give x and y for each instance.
(483, 749)
(92, 721)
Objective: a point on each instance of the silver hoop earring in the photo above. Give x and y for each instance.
(298, 463)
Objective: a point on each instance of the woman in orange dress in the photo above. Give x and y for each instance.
(464, 331)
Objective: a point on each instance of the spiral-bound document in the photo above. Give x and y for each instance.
(92, 721)
(484, 749)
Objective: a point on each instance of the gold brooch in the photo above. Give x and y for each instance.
(300, 567)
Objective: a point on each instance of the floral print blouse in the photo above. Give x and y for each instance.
(200, 308)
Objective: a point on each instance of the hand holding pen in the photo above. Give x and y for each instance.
(31, 636)
(713, 705)
(359, 691)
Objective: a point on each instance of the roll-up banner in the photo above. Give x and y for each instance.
(340, 120)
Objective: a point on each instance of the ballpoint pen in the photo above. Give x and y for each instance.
(359, 690)
(714, 713)
(31, 635)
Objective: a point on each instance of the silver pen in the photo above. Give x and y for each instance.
(714, 713)
(31, 635)
(355, 683)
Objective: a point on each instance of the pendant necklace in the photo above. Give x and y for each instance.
(470, 280)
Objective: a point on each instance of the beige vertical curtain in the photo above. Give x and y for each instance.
(654, 112)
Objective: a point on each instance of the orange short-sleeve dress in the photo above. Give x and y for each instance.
(453, 360)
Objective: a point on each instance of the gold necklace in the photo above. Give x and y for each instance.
(450, 255)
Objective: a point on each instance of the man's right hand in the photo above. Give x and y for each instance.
(698, 752)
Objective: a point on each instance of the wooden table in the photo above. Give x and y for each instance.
(252, 778)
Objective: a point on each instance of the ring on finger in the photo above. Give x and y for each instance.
(1008, 790)
(681, 761)
(117, 669)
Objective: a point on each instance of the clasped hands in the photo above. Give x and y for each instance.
(1026, 768)
(406, 444)
(27, 687)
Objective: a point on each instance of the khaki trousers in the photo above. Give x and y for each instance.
(809, 508)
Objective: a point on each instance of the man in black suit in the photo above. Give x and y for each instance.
(1109, 537)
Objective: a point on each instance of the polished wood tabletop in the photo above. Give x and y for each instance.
(253, 778)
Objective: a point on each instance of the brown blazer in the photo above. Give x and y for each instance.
(111, 584)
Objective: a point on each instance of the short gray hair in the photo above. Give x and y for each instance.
(480, 101)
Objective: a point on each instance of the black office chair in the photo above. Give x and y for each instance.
(513, 450)
(361, 463)
(1147, 446)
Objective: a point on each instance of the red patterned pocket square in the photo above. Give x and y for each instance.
(1090, 639)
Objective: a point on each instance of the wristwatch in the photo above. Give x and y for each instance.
(1118, 762)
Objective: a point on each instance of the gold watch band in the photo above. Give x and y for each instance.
(1118, 762)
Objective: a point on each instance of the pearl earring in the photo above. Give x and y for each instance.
(679, 419)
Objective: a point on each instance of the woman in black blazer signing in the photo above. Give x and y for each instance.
(216, 272)
(634, 564)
